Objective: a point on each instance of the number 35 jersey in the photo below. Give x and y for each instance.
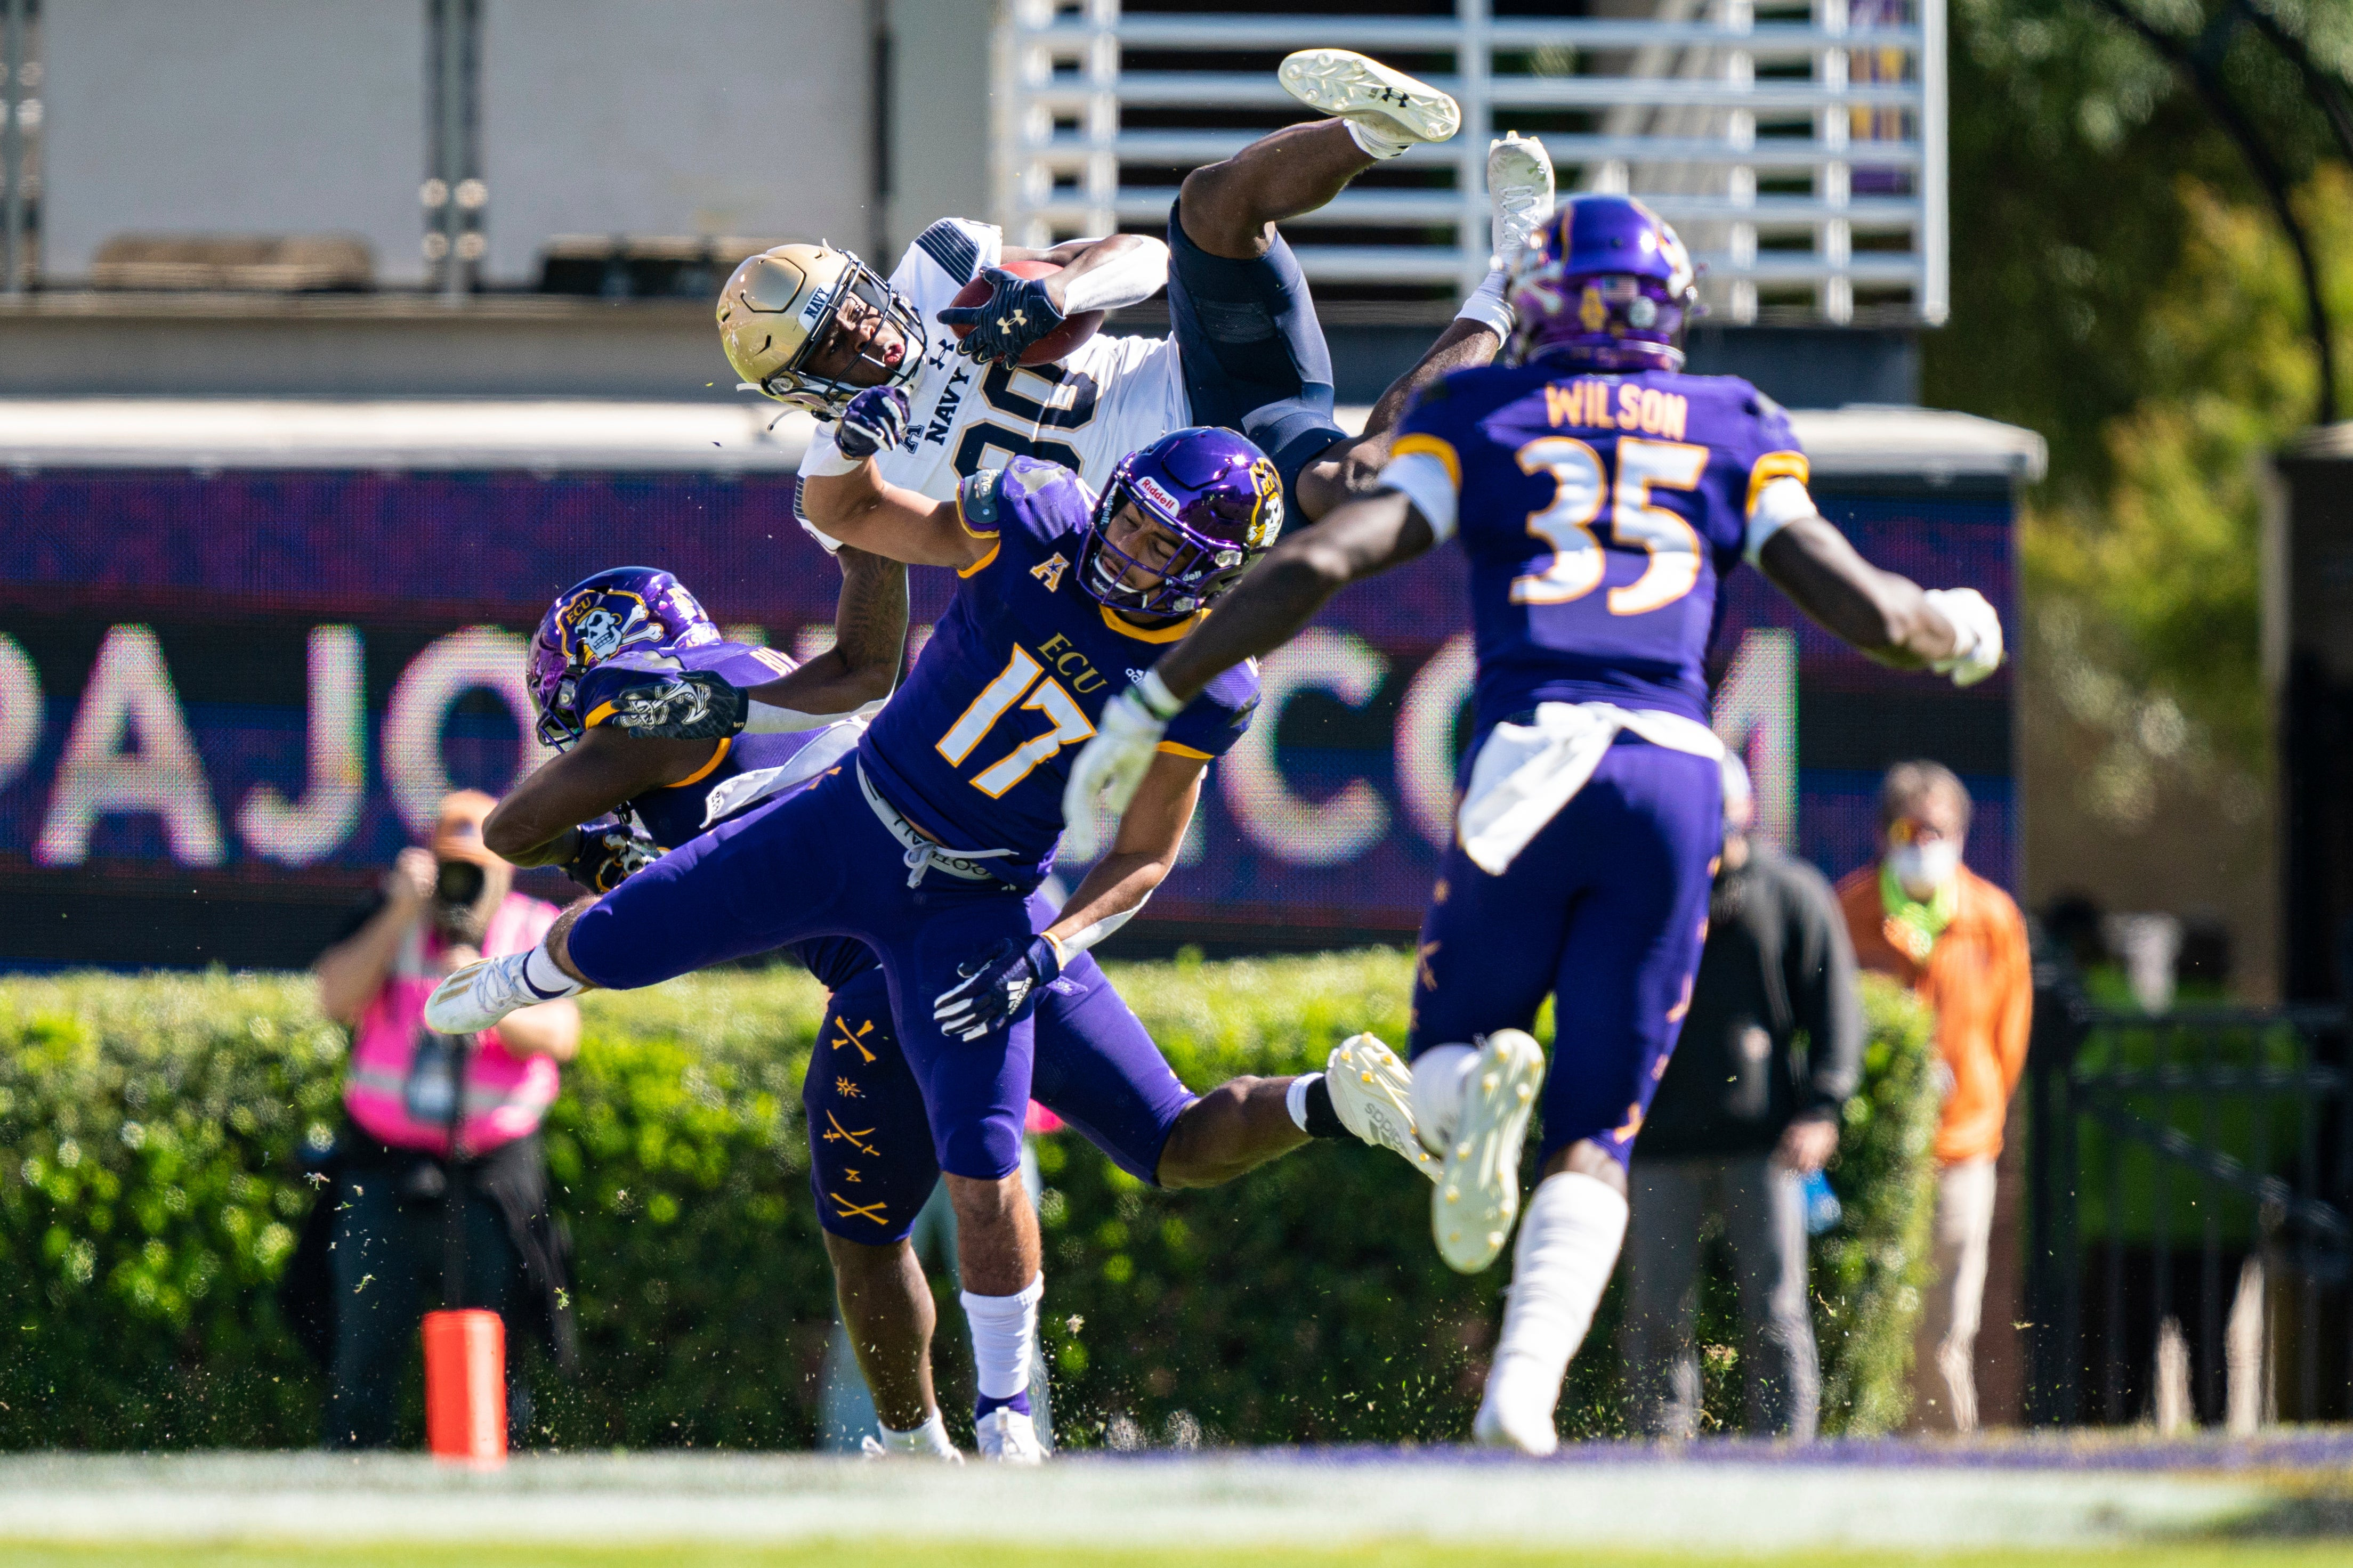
(1111, 397)
(976, 747)
(1601, 514)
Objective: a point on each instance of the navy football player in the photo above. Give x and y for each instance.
(812, 325)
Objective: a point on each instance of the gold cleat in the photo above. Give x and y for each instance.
(1372, 1092)
(1478, 1193)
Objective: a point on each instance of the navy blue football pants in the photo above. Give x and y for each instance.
(1606, 911)
(1254, 355)
(818, 863)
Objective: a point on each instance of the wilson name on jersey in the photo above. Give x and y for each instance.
(1111, 395)
(975, 746)
(1601, 514)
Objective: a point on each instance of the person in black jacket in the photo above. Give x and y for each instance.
(1749, 1109)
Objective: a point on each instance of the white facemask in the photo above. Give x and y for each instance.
(1922, 868)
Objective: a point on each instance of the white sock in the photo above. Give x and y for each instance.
(1438, 1074)
(540, 973)
(1003, 1329)
(1294, 1099)
(1569, 1245)
(1375, 141)
(1488, 307)
(931, 1438)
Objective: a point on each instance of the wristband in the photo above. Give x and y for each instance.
(1157, 699)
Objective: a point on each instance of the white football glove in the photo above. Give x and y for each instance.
(1112, 767)
(1979, 652)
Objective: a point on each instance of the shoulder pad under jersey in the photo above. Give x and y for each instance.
(976, 499)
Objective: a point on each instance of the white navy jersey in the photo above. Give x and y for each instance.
(1108, 398)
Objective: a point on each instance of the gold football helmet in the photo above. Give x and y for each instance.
(777, 308)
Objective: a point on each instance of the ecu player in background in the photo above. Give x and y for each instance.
(1602, 497)
(927, 842)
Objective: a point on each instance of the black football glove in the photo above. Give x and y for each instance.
(609, 854)
(695, 705)
(876, 419)
(1017, 315)
(1000, 987)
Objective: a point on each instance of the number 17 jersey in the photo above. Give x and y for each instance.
(1601, 515)
(976, 747)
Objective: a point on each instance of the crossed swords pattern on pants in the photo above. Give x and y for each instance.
(856, 1138)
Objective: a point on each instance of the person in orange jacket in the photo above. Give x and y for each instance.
(1925, 919)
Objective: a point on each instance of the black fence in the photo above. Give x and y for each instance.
(2189, 1256)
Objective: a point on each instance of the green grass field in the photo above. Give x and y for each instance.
(1402, 1554)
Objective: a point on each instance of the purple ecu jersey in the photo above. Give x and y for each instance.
(976, 747)
(924, 851)
(744, 770)
(1601, 514)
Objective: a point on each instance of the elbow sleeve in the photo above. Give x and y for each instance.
(1129, 278)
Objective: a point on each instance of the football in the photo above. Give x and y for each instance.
(1056, 344)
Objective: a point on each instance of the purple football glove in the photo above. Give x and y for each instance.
(876, 419)
(998, 987)
(1017, 315)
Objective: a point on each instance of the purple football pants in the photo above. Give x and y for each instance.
(1607, 909)
(817, 863)
(871, 1164)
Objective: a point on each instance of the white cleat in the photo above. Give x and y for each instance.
(479, 996)
(1373, 1093)
(1478, 1194)
(1008, 1437)
(1515, 1424)
(1345, 83)
(1520, 193)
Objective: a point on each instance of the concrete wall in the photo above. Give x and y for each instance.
(939, 127)
(241, 116)
(685, 117)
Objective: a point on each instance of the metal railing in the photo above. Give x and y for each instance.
(2188, 1251)
(1799, 145)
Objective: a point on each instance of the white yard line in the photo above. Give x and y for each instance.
(1228, 1498)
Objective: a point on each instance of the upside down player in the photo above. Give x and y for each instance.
(812, 325)
(927, 843)
(1602, 498)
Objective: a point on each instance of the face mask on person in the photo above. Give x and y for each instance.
(1922, 869)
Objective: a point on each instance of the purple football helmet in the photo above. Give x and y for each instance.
(628, 608)
(1604, 284)
(1211, 488)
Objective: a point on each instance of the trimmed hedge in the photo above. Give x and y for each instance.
(153, 1199)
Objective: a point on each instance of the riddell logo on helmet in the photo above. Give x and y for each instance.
(1152, 490)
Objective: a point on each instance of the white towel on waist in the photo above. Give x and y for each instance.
(1525, 772)
(832, 744)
